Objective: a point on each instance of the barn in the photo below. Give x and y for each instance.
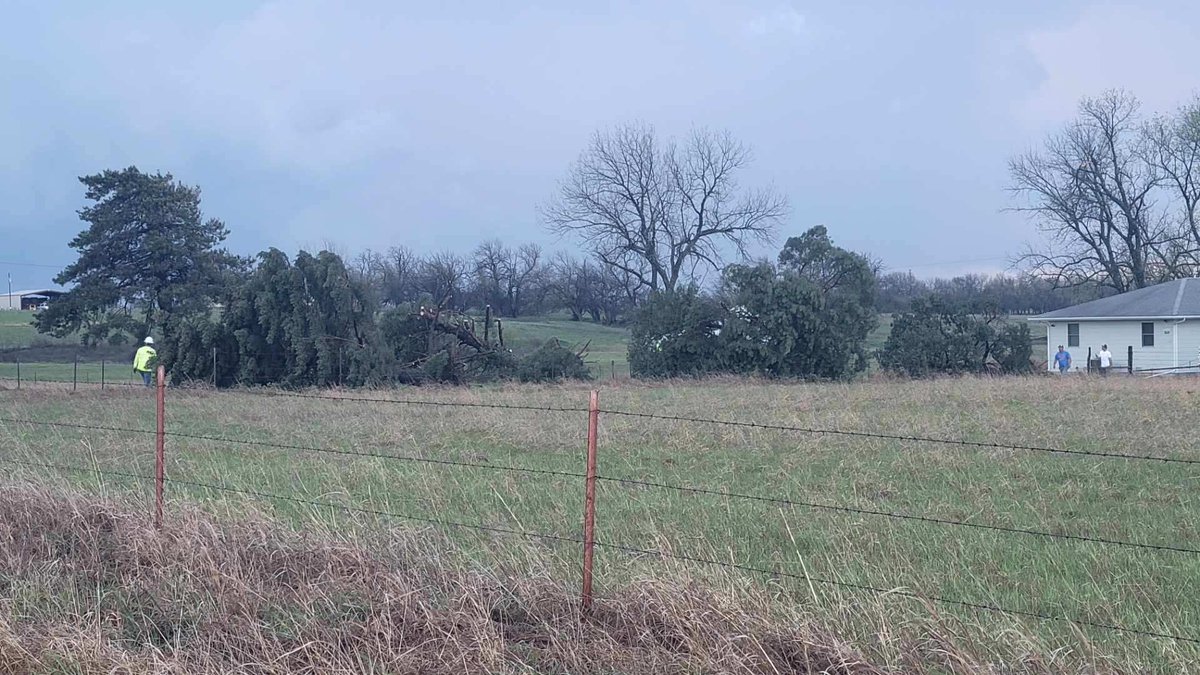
(31, 299)
(1157, 326)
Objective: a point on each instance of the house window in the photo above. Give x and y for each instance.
(1148, 334)
(1072, 335)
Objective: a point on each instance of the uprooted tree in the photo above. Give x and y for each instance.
(313, 322)
(935, 337)
(807, 317)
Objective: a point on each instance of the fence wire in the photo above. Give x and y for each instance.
(900, 592)
(446, 523)
(624, 481)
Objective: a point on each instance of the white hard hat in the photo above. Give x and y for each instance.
(149, 340)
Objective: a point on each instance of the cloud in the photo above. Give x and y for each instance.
(1150, 53)
(781, 20)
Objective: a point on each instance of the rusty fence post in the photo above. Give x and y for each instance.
(160, 438)
(589, 502)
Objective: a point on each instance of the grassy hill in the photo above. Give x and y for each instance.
(606, 345)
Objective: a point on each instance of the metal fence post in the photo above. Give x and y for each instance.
(589, 502)
(160, 438)
(214, 367)
(18, 372)
(1130, 359)
(101, 373)
(75, 373)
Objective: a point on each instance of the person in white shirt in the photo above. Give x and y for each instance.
(1105, 358)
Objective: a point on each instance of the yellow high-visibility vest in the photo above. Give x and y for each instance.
(141, 360)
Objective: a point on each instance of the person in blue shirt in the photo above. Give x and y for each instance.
(1063, 360)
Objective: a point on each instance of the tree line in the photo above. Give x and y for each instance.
(663, 230)
(149, 262)
(514, 281)
(1022, 293)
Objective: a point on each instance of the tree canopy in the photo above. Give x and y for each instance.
(660, 211)
(809, 316)
(939, 337)
(148, 253)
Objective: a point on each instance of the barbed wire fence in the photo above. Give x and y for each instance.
(591, 477)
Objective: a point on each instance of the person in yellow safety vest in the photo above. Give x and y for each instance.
(143, 361)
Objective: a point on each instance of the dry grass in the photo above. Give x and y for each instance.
(476, 573)
(92, 588)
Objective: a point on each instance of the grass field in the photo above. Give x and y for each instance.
(1118, 499)
(16, 331)
(607, 346)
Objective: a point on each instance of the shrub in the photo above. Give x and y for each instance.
(552, 362)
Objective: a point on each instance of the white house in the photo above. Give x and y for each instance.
(1159, 325)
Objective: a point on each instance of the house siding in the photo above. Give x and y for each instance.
(1189, 343)
(1119, 335)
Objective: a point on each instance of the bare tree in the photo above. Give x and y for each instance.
(659, 213)
(570, 284)
(1091, 192)
(506, 276)
(400, 273)
(1173, 149)
(441, 276)
(492, 272)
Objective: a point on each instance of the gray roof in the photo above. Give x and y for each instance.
(36, 291)
(1177, 299)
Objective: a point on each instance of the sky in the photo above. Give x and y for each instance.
(369, 124)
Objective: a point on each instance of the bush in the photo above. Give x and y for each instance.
(936, 337)
(675, 334)
(552, 362)
(1013, 349)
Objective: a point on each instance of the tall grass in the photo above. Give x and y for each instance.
(1139, 501)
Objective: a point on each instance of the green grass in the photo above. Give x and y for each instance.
(607, 346)
(88, 372)
(877, 337)
(1139, 501)
(16, 330)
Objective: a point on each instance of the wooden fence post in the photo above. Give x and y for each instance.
(1130, 365)
(160, 438)
(589, 502)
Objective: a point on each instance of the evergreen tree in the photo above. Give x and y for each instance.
(147, 251)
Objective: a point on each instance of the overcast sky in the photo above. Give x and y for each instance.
(436, 125)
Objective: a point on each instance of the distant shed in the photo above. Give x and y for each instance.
(31, 299)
